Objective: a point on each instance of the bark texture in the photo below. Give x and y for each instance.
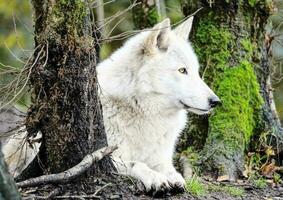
(66, 106)
(228, 37)
(8, 189)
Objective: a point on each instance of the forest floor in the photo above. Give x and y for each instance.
(228, 191)
(125, 188)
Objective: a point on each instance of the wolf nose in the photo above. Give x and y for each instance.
(214, 101)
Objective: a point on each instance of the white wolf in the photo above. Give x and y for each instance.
(146, 88)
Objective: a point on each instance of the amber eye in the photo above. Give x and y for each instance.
(183, 70)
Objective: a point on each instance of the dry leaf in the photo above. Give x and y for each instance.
(223, 178)
(268, 169)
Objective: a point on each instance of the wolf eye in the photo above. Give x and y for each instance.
(183, 70)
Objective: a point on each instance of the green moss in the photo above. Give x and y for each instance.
(247, 45)
(153, 16)
(212, 44)
(234, 122)
(228, 70)
(69, 16)
(145, 14)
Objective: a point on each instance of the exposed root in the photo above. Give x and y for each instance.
(71, 173)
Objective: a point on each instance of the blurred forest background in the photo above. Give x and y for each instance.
(16, 39)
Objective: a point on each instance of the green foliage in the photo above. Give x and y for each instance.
(192, 155)
(235, 191)
(16, 42)
(195, 187)
(259, 182)
(15, 31)
(145, 14)
(252, 3)
(231, 190)
(277, 178)
(267, 5)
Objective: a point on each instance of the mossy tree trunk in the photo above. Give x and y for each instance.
(8, 189)
(228, 37)
(65, 105)
(145, 14)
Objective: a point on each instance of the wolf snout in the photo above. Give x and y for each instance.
(214, 101)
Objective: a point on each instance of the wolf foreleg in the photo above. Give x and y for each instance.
(149, 177)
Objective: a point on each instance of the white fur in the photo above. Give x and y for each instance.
(141, 95)
(18, 152)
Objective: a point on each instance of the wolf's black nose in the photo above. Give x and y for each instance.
(214, 101)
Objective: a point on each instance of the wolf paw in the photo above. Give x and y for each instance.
(176, 181)
(156, 182)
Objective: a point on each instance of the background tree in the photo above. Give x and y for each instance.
(146, 13)
(229, 38)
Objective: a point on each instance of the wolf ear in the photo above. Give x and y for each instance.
(158, 36)
(184, 29)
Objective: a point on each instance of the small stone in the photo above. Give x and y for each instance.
(115, 196)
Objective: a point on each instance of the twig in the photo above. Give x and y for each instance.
(77, 197)
(26, 80)
(51, 195)
(71, 173)
(97, 191)
(91, 196)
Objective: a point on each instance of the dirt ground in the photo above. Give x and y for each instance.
(125, 188)
(250, 193)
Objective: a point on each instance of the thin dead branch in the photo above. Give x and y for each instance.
(71, 173)
(15, 84)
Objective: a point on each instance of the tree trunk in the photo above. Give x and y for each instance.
(145, 14)
(66, 106)
(228, 37)
(8, 189)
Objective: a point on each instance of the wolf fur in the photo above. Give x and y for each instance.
(146, 89)
(20, 150)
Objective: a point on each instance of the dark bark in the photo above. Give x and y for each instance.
(8, 189)
(65, 104)
(228, 37)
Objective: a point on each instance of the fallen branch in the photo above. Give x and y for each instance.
(71, 173)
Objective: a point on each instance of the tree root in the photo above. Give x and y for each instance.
(71, 173)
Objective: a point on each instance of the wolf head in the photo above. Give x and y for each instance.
(159, 66)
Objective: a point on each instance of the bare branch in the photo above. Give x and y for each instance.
(71, 173)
